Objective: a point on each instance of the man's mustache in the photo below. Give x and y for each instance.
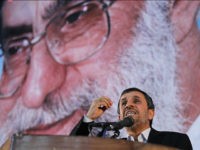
(129, 109)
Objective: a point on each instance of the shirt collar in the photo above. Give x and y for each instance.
(142, 136)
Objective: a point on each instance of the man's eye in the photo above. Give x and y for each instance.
(73, 17)
(123, 103)
(136, 101)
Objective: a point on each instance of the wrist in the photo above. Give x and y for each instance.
(87, 119)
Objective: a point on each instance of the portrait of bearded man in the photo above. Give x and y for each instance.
(60, 55)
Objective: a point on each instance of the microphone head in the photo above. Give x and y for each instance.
(128, 121)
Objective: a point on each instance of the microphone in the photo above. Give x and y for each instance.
(126, 122)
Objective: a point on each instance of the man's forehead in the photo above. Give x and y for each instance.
(131, 95)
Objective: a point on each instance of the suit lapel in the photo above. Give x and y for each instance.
(153, 136)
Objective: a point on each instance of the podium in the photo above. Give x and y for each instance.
(41, 142)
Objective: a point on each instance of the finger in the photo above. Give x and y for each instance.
(104, 104)
(105, 101)
(102, 107)
(108, 100)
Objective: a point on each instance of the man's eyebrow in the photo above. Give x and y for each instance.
(136, 96)
(50, 10)
(123, 99)
(13, 31)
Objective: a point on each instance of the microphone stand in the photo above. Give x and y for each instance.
(116, 134)
(114, 126)
(102, 132)
(105, 129)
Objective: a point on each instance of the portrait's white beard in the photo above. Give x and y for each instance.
(152, 65)
(148, 64)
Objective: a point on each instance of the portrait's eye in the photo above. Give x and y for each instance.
(75, 14)
(12, 50)
(15, 47)
(73, 17)
(82, 29)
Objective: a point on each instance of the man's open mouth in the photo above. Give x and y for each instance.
(130, 112)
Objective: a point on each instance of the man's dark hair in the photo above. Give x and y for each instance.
(148, 99)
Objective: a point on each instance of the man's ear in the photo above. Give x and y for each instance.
(120, 117)
(183, 17)
(150, 114)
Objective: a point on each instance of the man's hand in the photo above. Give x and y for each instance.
(98, 107)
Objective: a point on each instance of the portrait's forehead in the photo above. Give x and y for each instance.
(42, 7)
(18, 12)
(24, 13)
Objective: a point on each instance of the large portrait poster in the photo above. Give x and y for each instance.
(57, 56)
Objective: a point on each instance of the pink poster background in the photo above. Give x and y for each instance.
(151, 45)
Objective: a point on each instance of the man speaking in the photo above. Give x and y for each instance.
(138, 105)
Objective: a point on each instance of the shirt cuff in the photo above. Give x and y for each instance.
(86, 119)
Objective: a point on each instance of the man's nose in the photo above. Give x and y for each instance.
(130, 104)
(44, 76)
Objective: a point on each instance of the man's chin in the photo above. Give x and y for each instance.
(61, 127)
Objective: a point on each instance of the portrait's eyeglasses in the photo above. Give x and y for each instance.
(72, 35)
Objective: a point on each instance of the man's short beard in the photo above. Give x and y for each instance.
(148, 64)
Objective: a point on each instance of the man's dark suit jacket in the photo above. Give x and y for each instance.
(172, 139)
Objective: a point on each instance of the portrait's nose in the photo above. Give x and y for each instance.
(44, 76)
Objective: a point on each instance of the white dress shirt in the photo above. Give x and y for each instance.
(142, 137)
